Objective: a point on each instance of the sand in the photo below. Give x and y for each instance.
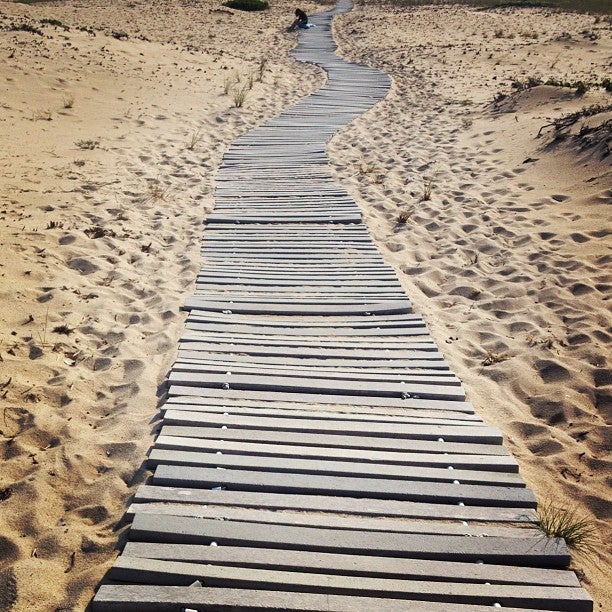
(112, 123)
(509, 258)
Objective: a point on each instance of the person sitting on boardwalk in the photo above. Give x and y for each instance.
(300, 21)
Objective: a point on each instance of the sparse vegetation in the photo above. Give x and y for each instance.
(261, 69)
(578, 532)
(229, 81)
(42, 115)
(54, 22)
(194, 140)
(563, 123)
(247, 5)
(240, 94)
(403, 217)
(492, 358)
(25, 27)
(157, 190)
(87, 144)
(428, 184)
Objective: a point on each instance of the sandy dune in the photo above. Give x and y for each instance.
(509, 258)
(112, 124)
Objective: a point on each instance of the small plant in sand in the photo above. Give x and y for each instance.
(158, 192)
(42, 115)
(404, 217)
(261, 69)
(578, 531)
(68, 101)
(229, 81)
(194, 140)
(240, 94)
(428, 184)
(493, 358)
(87, 144)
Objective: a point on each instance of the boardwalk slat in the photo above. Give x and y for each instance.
(188, 530)
(412, 569)
(343, 486)
(154, 598)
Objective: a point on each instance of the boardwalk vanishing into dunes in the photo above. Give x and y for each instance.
(316, 452)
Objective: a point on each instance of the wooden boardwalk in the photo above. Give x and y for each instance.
(317, 453)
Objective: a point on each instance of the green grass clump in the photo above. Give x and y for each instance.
(578, 532)
(247, 5)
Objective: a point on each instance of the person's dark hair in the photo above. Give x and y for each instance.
(297, 11)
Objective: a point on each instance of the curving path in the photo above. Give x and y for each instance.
(316, 452)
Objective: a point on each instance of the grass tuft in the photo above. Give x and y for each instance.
(240, 94)
(194, 140)
(87, 144)
(579, 533)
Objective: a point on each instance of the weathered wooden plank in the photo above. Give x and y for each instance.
(343, 486)
(306, 398)
(392, 307)
(315, 385)
(195, 365)
(416, 343)
(363, 506)
(521, 551)
(450, 433)
(297, 560)
(161, 456)
(323, 363)
(395, 335)
(490, 463)
(359, 411)
(332, 521)
(410, 416)
(154, 571)
(149, 598)
(334, 441)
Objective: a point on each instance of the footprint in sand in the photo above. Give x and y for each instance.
(9, 553)
(579, 238)
(551, 371)
(8, 589)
